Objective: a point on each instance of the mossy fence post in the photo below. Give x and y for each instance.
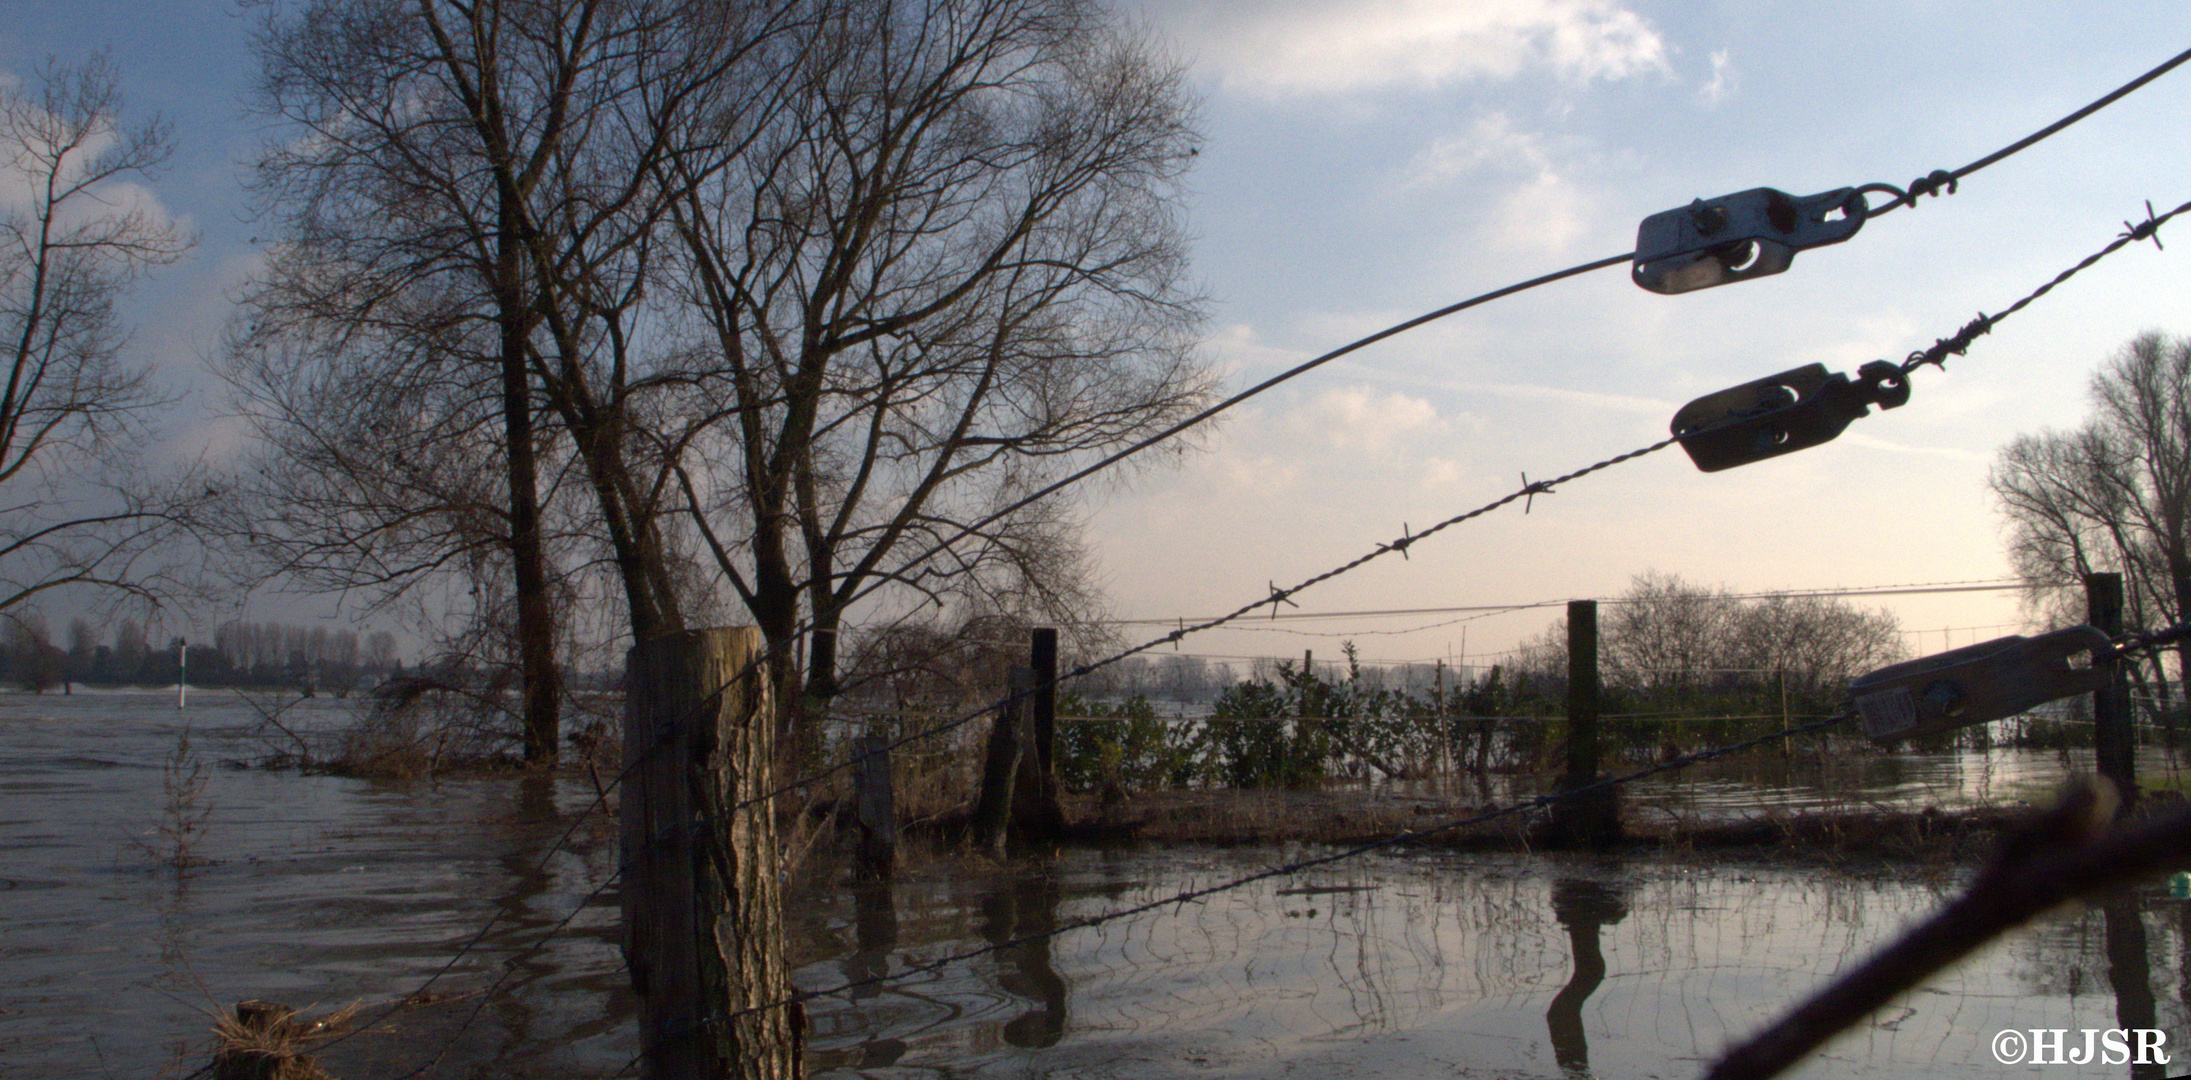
(2114, 745)
(703, 914)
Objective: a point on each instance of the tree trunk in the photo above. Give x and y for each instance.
(535, 620)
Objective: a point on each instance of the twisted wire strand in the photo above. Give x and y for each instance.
(1931, 183)
(1960, 343)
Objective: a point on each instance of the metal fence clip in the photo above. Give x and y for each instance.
(1783, 413)
(1741, 236)
(1977, 683)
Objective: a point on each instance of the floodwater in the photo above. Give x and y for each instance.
(318, 891)
(315, 891)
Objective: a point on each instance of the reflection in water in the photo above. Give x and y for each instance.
(1015, 910)
(1583, 907)
(2129, 971)
(875, 937)
(326, 889)
(1417, 964)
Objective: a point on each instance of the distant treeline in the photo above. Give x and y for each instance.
(253, 654)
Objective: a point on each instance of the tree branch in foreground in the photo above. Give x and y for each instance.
(2062, 855)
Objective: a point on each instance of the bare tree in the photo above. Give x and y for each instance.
(462, 193)
(925, 256)
(2112, 495)
(76, 228)
(1816, 643)
(947, 270)
(1667, 634)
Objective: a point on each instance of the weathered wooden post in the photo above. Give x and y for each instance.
(1037, 810)
(2114, 743)
(1010, 743)
(1592, 819)
(876, 806)
(703, 914)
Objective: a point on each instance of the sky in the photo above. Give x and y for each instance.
(1370, 160)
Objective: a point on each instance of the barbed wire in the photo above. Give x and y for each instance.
(1528, 490)
(1928, 185)
(1936, 355)
(1960, 342)
(1913, 588)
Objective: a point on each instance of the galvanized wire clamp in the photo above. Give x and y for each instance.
(1979, 683)
(1737, 237)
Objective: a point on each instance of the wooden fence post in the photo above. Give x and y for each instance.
(703, 914)
(1037, 810)
(1593, 819)
(2114, 743)
(1009, 743)
(875, 800)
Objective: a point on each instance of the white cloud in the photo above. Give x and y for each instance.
(1724, 81)
(1492, 144)
(1357, 417)
(1323, 46)
(1545, 212)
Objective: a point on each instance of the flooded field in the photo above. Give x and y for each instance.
(320, 890)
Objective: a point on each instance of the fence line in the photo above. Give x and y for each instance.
(1956, 345)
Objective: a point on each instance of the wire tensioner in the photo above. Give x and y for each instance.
(1978, 683)
(1737, 237)
(1783, 413)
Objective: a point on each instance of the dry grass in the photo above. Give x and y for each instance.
(264, 1041)
(184, 811)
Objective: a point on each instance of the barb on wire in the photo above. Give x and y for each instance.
(1412, 836)
(1399, 545)
(1541, 487)
(1957, 345)
(1279, 596)
(2149, 229)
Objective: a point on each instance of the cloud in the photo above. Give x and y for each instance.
(1491, 145)
(1545, 212)
(1328, 46)
(1357, 417)
(1724, 81)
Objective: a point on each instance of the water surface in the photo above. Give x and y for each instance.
(319, 890)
